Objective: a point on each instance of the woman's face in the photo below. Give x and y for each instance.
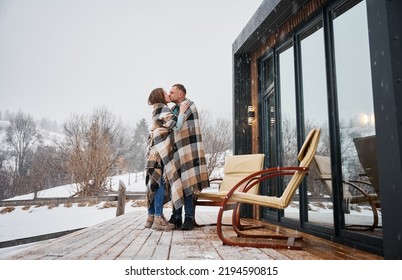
(167, 98)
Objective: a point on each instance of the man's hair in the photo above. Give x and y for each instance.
(181, 87)
(157, 96)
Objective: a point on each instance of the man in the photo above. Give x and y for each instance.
(189, 160)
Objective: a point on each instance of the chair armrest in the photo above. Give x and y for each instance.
(353, 183)
(215, 180)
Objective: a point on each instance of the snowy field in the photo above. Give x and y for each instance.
(34, 221)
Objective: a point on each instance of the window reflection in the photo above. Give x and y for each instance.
(314, 91)
(355, 102)
(288, 107)
(288, 120)
(268, 74)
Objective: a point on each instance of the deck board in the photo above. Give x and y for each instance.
(125, 238)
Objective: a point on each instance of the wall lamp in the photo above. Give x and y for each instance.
(251, 115)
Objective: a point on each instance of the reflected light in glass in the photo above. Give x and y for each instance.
(367, 119)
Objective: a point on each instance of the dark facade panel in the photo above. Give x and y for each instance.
(241, 130)
(269, 16)
(386, 52)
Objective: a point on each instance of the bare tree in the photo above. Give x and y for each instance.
(289, 142)
(93, 147)
(21, 134)
(217, 138)
(45, 170)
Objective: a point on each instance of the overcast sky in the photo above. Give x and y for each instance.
(59, 57)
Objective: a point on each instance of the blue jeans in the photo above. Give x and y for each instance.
(156, 206)
(189, 208)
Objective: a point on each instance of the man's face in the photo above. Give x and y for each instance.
(175, 95)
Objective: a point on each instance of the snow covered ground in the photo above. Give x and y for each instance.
(33, 221)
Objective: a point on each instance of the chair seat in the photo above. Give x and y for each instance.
(236, 168)
(255, 199)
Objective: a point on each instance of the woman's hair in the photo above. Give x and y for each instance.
(157, 96)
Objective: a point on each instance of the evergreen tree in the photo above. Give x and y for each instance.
(139, 146)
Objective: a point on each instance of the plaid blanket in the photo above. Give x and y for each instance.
(183, 155)
(162, 118)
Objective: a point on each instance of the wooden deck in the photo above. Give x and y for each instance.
(125, 238)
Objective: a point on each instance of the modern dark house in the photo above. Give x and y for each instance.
(335, 65)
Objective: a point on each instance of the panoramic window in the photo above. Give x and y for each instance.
(288, 119)
(315, 112)
(356, 113)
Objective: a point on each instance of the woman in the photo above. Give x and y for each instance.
(157, 191)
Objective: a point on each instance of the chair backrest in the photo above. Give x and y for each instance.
(238, 167)
(366, 148)
(305, 156)
(322, 166)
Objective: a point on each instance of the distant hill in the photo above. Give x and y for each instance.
(48, 137)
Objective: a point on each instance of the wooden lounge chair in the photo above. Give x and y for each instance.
(366, 148)
(322, 166)
(236, 168)
(234, 196)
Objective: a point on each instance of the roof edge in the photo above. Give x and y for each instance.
(261, 14)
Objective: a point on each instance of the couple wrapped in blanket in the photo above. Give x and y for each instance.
(177, 155)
